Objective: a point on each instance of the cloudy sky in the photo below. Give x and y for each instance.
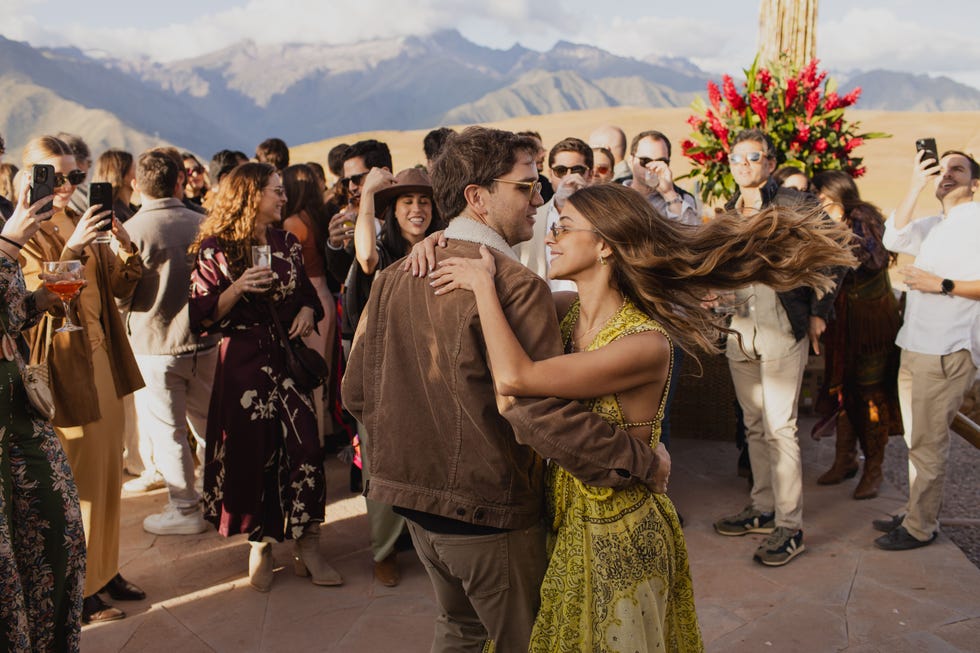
(718, 35)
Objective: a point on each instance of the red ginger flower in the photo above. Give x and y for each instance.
(858, 172)
(760, 105)
(714, 95)
(820, 146)
(791, 91)
(812, 102)
(832, 101)
(695, 122)
(764, 79)
(853, 143)
(851, 97)
(735, 100)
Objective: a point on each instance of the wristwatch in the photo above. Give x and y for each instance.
(946, 287)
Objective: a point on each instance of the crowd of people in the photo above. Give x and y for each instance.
(497, 334)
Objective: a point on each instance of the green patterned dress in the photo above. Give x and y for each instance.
(618, 577)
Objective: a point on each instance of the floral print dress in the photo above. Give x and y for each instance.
(263, 472)
(42, 544)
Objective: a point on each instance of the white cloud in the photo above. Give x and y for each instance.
(878, 38)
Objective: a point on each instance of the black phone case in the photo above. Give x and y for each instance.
(42, 185)
(100, 192)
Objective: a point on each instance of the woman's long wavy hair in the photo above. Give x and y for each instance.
(668, 270)
(232, 217)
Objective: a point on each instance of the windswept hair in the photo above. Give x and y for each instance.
(668, 269)
(232, 217)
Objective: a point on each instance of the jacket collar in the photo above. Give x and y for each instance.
(468, 229)
(161, 203)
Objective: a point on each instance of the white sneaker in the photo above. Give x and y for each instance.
(174, 522)
(145, 482)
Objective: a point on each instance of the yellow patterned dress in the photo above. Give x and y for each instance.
(618, 578)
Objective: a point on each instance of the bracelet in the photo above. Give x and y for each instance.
(11, 241)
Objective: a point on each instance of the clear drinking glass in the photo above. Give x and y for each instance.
(65, 280)
(261, 256)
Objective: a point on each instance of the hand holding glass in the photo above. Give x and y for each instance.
(64, 278)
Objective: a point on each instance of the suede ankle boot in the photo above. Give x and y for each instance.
(845, 454)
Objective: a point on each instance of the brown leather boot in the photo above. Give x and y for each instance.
(873, 443)
(845, 454)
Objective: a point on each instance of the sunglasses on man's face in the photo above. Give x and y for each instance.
(561, 171)
(644, 161)
(752, 157)
(75, 177)
(601, 170)
(357, 180)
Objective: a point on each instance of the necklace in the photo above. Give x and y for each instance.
(577, 341)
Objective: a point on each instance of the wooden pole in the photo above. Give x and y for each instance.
(790, 27)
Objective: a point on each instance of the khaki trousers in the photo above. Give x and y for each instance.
(385, 524)
(768, 391)
(486, 586)
(930, 389)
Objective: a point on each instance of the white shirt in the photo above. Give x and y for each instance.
(948, 247)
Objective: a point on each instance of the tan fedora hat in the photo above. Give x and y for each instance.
(410, 180)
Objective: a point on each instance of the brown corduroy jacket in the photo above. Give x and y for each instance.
(69, 355)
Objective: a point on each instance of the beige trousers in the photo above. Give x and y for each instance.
(768, 391)
(930, 389)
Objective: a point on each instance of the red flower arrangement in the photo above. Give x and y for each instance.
(800, 110)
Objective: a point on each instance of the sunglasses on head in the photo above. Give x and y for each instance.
(753, 157)
(75, 177)
(561, 171)
(353, 179)
(644, 161)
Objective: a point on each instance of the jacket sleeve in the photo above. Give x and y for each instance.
(125, 271)
(579, 440)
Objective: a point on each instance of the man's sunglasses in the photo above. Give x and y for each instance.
(753, 157)
(75, 177)
(602, 170)
(561, 171)
(357, 180)
(644, 161)
(533, 187)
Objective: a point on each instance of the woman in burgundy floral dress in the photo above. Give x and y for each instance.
(263, 473)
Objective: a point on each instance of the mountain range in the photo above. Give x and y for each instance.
(237, 96)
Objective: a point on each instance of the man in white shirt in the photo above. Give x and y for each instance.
(570, 168)
(940, 338)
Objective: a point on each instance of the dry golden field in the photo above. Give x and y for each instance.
(888, 160)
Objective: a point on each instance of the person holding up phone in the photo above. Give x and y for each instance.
(91, 369)
(940, 339)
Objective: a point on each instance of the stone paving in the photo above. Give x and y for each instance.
(842, 594)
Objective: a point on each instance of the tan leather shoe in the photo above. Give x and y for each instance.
(386, 571)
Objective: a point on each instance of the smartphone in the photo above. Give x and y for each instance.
(100, 192)
(42, 185)
(928, 145)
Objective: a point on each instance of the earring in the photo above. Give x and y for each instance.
(602, 261)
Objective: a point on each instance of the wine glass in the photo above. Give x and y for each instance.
(64, 278)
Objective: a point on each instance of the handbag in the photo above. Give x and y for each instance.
(304, 365)
(36, 378)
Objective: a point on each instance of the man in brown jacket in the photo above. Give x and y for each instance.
(462, 463)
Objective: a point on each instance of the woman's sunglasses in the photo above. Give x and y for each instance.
(75, 177)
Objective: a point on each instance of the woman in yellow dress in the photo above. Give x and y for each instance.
(618, 577)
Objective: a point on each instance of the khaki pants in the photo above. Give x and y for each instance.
(767, 391)
(486, 586)
(930, 390)
(385, 524)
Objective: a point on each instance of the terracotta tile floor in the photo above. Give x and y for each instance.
(843, 594)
